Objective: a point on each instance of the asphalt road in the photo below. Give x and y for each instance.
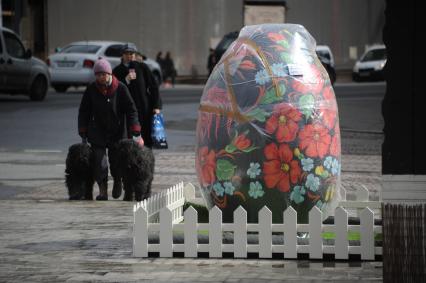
(35, 135)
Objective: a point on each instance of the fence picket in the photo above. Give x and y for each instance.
(166, 233)
(240, 233)
(362, 193)
(315, 237)
(215, 232)
(367, 234)
(140, 231)
(290, 233)
(190, 233)
(341, 243)
(265, 233)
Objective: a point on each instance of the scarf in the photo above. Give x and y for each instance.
(109, 89)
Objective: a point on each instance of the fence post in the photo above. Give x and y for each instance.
(367, 234)
(215, 232)
(166, 233)
(341, 243)
(240, 233)
(315, 230)
(290, 233)
(191, 233)
(265, 233)
(140, 231)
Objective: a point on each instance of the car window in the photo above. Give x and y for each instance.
(13, 45)
(114, 50)
(89, 49)
(374, 55)
(323, 53)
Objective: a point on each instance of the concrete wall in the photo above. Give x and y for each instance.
(340, 24)
(187, 28)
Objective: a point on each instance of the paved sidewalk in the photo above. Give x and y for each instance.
(45, 238)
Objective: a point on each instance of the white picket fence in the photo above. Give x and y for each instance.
(172, 198)
(168, 207)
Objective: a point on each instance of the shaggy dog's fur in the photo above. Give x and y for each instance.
(78, 172)
(136, 165)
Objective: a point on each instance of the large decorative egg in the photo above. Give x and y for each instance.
(268, 128)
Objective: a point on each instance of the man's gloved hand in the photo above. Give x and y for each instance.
(139, 140)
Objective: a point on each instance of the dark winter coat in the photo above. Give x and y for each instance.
(102, 118)
(145, 93)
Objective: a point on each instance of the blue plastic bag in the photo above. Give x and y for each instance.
(158, 134)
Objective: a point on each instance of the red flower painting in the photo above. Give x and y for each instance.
(335, 148)
(315, 140)
(284, 122)
(280, 169)
(206, 165)
(242, 142)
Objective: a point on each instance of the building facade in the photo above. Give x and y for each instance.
(188, 28)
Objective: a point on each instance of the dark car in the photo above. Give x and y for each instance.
(323, 53)
(20, 72)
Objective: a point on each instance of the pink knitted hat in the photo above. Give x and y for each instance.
(102, 66)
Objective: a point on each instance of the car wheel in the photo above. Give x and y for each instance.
(157, 78)
(60, 88)
(38, 88)
(355, 78)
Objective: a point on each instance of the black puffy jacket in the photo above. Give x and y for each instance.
(103, 118)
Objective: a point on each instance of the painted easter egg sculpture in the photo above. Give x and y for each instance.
(268, 128)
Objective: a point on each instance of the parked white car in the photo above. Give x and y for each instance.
(327, 59)
(370, 66)
(72, 65)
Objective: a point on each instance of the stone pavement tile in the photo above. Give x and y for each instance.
(88, 241)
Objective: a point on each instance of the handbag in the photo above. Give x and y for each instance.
(158, 133)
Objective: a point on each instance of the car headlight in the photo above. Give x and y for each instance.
(380, 66)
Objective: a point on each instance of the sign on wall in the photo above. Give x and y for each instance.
(258, 14)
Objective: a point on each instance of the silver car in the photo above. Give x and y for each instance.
(20, 72)
(73, 64)
(370, 67)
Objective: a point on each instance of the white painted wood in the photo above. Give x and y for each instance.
(215, 232)
(265, 233)
(190, 232)
(362, 193)
(343, 192)
(174, 199)
(240, 233)
(341, 242)
(189, 191)
(315, 236)
(166, 233)
(367, 234)
(290, 233)
(140, 231)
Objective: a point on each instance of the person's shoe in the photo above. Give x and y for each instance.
(117, 188)
(103, 191)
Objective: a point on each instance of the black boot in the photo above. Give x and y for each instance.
(103, 191)
(117, 188)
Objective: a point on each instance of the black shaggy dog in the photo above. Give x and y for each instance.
(136, 165)
(78, 172)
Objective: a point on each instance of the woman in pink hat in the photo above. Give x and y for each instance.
(105, 108)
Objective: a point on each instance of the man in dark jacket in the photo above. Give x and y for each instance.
(105, 108)
(143, 88)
